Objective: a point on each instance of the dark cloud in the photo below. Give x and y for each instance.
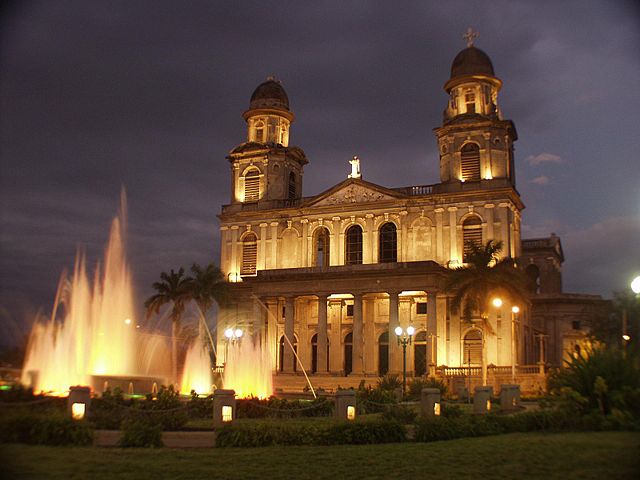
(149, 95)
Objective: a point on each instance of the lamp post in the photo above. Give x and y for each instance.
(514, 311)
(404, 339)
(232, 335)
(635, 288)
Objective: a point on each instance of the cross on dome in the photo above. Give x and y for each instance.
(469, 36)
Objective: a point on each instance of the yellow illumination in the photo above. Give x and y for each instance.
(436, 408)
(488, 405)
(515, 309)
(635, 285)
(497, 302)
(227, 413)
(626, 337)
(351, 412)
(77, 411)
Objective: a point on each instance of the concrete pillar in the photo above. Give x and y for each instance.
(432, 331)
(78, 402)
(453, 235)
(509, 397)
(482, 400)
(488, 212)
(345, 408)
(358, 361)
(439, 236)
(289, 319)
(224, 407)
(395, 351)
(430, 402)
(335, 345)
(235, 262)
(262, 248)
(274, 246)
(322, 334)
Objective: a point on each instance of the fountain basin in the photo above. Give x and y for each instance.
(129, 384)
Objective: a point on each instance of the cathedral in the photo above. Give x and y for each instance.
(326, 280)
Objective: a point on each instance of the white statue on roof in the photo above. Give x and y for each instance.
(355, 167)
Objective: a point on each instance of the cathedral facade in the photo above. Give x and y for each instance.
(325, 280)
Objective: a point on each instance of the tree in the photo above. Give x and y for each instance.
(483, 277)
(174, 288)
(207, 285)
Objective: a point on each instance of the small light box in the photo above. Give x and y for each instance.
(227, 413)
(514, 402)
(351, 412)
(488, 405)
(78, 411)
(436, 409)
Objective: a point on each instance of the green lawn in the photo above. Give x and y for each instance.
(602, 455)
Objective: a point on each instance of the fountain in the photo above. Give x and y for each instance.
(91, 337)
(196, 374)
(248, 369)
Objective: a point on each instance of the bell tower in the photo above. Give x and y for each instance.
(475, 142)
(265, 171)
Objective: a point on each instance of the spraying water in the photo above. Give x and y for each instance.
(95, 334)
(248, 370)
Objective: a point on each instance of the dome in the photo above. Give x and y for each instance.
(471, 61)
(269, 94)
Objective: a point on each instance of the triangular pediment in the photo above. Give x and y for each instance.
(354, 191)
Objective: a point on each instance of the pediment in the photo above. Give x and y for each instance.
(354, 192)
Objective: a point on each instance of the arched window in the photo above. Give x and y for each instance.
(353, 245)
(281, 353)
(259, 129)
(292, 186)
(471, 235)
(388, 243)
(383, 354)
(348, 353)
(470, 162)
(322, 248)
(420, 354)
(249, 254)
(252, 185)
(472, 348)
(314, 354)
(533, 278)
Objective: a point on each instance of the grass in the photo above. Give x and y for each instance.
(610, 455)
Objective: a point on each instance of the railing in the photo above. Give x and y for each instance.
(416, 190)
(491, 370)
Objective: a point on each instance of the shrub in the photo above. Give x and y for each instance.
(596, 375)
(260, 435)
(140, 432)
(451, 410)
(108, 411)
(416, 386)
(281, 408)
(41, 429)
(200, 407)
(402, 414)
(389, 382)
(374, 400)
(360, 433)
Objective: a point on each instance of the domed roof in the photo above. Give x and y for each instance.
(471, 61)
(269, 94)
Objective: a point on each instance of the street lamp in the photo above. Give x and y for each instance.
(404, 339)
(232, 335)
(635, 288)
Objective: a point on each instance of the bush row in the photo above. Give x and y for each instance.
(381, 431)
(44, 429)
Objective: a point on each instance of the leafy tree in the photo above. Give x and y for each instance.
(207, 285)
(173, 288)
(484, 276)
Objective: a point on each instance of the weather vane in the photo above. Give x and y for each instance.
(355, 167)
(469, 36)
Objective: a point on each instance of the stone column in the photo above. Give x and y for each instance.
(395, 351)
(370, 250)
(432, 333)
(235, 266)
(357, 334)
(453, 235)
(322, 334)
(289, 318)
(488, 212)
(304, 262)
(262, 251)
(503, 213)
(335, 345)
(439, 236)
(274, 246)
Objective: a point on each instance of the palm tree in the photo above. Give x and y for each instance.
(207, 285)
(485, 276)
(174, 288)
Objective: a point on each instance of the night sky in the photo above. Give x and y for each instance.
(149, 95)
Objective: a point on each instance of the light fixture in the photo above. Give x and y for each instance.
(515, 309)
(626, 337)
(497, 302)
(351, 412)
(398, 331)
(238, 333)
(635, 285)
(228, 333)
(410, 330)
(78, 410)
(227, 413)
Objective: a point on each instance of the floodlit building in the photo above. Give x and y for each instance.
(329, 277)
